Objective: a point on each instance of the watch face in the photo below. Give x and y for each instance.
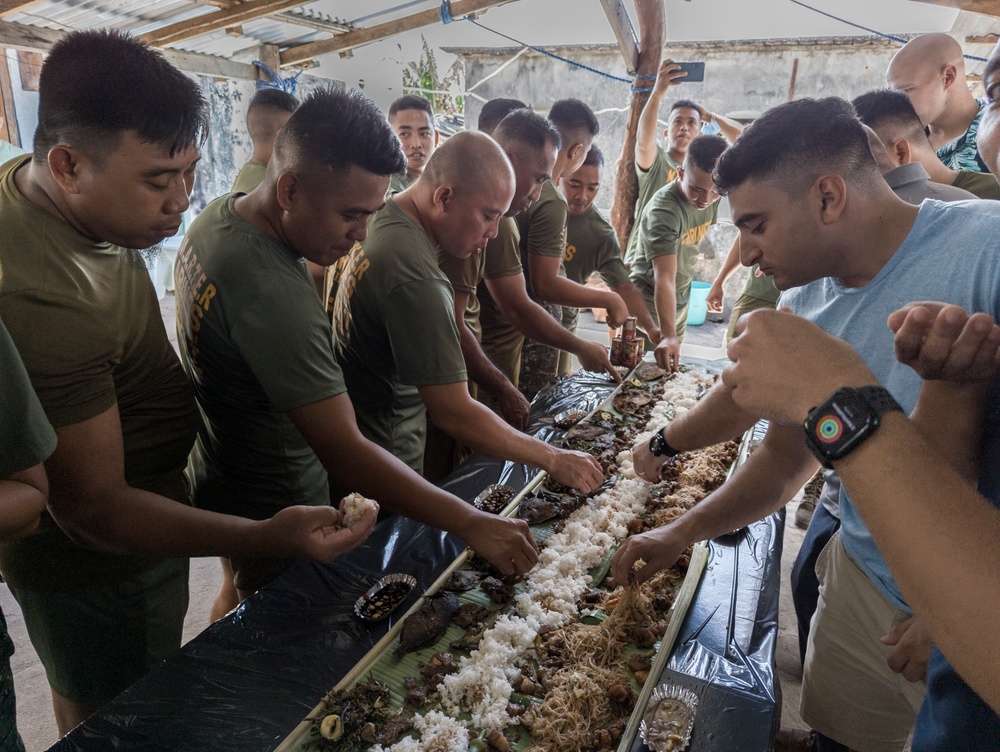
(839, 424)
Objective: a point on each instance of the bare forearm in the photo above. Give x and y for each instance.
(941, 540)
(645, 141)
(122, 524)
(563, 291)
(665, 298)
(534, 322)
(478, 427)
(480, 368)
(729, 129)
(636, 306)
(729, 265)
(951, 418)
(716, 418)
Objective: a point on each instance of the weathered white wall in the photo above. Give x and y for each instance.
(740, 77)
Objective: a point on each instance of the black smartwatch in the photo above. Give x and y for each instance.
(659, 447)
(845, 420)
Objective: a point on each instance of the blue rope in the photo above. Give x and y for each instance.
(629, 19)
(445, 11)
(871, 31)
(566, 60)
(275, 81)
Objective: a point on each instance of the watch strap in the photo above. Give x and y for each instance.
(879, 398)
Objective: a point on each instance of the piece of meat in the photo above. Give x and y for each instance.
(469, 614)
(462, 580)
(497, 591)
(427, 625)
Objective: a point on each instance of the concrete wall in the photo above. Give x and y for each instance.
(741, 77)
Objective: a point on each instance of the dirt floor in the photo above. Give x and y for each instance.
(34, 709)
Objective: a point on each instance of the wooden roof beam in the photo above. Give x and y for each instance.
(38, 39)
(12, 7)
(986, 7)
(352, 39)
(216, 20)
(618, 19)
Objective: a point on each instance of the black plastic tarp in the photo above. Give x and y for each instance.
(249, 679)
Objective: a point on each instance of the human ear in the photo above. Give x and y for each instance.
(288, 188)
(443, 197)
(902, 151)
(832, 191)
(949, 74)
(66, 165)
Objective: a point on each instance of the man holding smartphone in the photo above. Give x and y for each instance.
(654, 166)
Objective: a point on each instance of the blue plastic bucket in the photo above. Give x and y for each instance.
(698, 307)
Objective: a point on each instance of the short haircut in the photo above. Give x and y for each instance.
(796, 142)
(264, 105)
(686, 104)
(496, 110)
(595, 157)
(339, 128)
(575, 119)
(529, 129)
(890, 111)
(96, 85)
(411, 102)
(705, 151)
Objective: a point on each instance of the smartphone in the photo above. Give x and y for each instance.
(695, 72)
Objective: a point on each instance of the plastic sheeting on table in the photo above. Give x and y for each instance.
(249, 679)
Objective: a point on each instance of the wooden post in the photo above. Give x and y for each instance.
(9, 131)
(652, 33)
(795, 74)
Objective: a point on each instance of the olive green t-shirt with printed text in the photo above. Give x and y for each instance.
(255, 341)
(662, 172)
(670, 226)
(85, 320)
(394, 318)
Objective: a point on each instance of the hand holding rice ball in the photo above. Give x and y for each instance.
(353, 508)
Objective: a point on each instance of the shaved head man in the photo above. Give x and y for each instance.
(930, 70)
(395, 319)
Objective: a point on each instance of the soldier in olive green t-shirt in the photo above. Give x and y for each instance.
(670, 226)
(592, 246)
(395, 324)
(673, 224)
(397, 338)
(255, 331)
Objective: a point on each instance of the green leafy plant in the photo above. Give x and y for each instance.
(422, 78)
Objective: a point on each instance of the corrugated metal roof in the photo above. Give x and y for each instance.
(307, 23)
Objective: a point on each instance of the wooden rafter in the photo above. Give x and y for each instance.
(37, 39)
(11, 7)
(216, 20)
(352, 39)
(618, 19)
(652, 33)
(986, 7)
